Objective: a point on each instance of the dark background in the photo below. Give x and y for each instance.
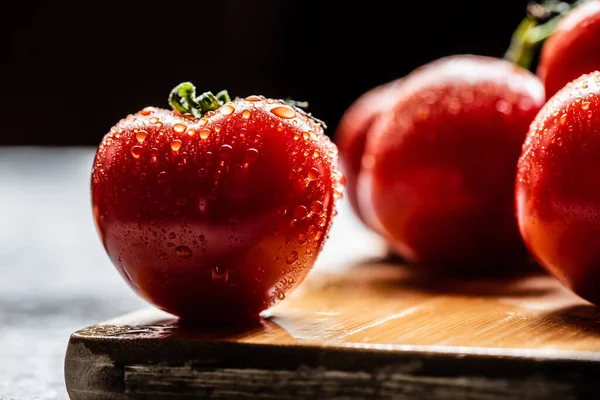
(70, 70)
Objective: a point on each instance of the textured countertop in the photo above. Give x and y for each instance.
(54, 275)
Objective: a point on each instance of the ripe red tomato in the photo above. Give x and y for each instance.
(557, 191)
(438, 178)
(572, 49)
(219, 214)
(352, 131)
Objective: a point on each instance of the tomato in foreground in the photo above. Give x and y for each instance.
(217, 209)
(437, 178)
(557, 190)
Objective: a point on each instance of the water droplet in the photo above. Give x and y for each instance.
(181, 201)
(204, 133)
(147, 111)
(220, 274)
(172, 235)
(316, 154)
(300, 212)
(313, 174)
(163, 256)
(302, 238)
(246, 114)
(162, 177)
(154, 120)
(218, 128)
(141, 135)
(154, 153)
(590, 113)
(563, 119)
(183, 251)
(292, 257)
(305, 135)
(296, 136)
(281, 296)
(503, 107)
(284, 111)
(585, 105)
(250, 155)
(136, 151)
(316, 206)
(176, 145)
(225, 151)
(179, 128)
(253, 98)
(227, 109)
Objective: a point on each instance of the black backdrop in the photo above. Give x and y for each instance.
(70, 70)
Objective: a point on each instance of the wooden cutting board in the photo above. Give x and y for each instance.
(360, 327)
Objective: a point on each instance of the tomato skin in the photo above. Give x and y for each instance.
(353, 129)
(221, 227)
(573, 49)
(438, 178)
(557, 191)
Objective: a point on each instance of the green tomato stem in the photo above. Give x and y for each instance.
(540, 23)
(183, 99)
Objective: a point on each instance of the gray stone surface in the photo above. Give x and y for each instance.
(54, 275)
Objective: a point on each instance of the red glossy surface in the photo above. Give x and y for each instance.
(557, 191)
(438, 178)
(351, 133)
(573, 49)
(217, 218)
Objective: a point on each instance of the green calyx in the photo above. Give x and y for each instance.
(183, 99)
(540, 23)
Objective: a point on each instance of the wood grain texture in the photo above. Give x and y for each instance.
(361, 326)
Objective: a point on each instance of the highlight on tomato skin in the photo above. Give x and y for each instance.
(437, 178)
(215, 214)
(557, 192)
(572, 49)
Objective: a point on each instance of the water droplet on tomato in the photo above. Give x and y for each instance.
(218, 128)
(305, 135)
(176, 145)
(220, 274)
(563, 119)
(316, 206)
(183, 251)
(147, 111)
(302, 238)
(204, 133)
(227, 109)
(296, 136)
(313, 174)
(316, 154)
(141, 135)
(179, 128)
(300, 212)
(292, 257)
(225, 151)
(284, 111)
(253, 98)
(136, 151)
(585, 105)
(154, 153)
(503, 107)
(281, 296)
(172, 235)
(162, 177)
(246, 114)
(154, 120)
(250, 155)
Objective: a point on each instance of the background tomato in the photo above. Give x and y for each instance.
(438, 178)
(572, 49)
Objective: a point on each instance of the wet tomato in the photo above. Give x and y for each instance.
(217, 209)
